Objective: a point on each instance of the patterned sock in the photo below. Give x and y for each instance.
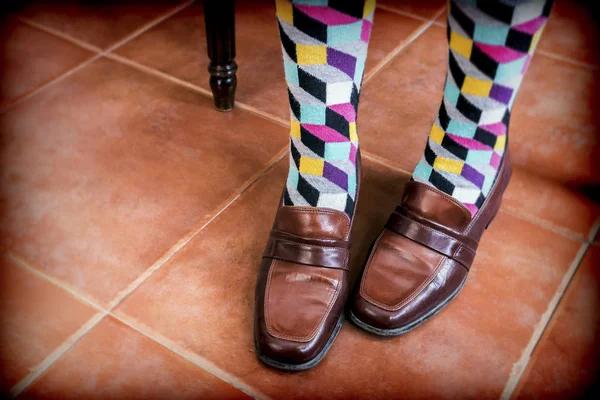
(491, 45)
(324, 49)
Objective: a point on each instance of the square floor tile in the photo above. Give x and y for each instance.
(566, 361)
(108, 169)
(203, 300)
(572, 32)
(424, 8)
(31, 58)
(261, 83)
(35, 318)
(99, 23)
(113, 361)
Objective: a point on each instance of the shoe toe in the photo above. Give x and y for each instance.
(403, 284)
(370, 314)
(286, 352)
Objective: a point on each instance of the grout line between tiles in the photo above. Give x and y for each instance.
(159, 74)
(64, 36)
(191, 356)
(418, 32)
(402, 12)
(50, 84)
(594, 231)
(383, 161)
(149, 25)
(262, 114)
(387, 59)
(555, 56)
(57, 282)
(56, 354)
(521, 365)
(544, 224)
(100, 53)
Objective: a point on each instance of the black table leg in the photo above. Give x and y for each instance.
(219, 16)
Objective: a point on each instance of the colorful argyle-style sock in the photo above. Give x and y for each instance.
(324, 49)
(491, 45)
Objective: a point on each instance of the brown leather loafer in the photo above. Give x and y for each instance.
(302, 286)
(420, 261)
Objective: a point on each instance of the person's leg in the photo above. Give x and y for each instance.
(421, 260)
(324, 46)
(491, 44)
(303, 279)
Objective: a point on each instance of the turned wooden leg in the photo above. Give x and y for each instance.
(219, 16)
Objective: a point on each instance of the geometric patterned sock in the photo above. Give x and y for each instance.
(491, 44)
(324, 46)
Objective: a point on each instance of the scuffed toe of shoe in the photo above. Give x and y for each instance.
(297, 312)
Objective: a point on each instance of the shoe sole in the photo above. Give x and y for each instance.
(309, 364)
(406, 328)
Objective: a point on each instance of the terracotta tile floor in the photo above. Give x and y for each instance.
(134, 215)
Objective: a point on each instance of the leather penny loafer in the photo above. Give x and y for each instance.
(420, 261)
(302, 286)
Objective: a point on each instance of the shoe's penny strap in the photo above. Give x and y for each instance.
(316, 252)
(457, 247)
